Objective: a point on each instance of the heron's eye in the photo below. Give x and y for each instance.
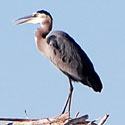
(35, 15)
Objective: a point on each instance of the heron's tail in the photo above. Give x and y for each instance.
(94, 81)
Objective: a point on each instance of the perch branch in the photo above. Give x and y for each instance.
(63, 119)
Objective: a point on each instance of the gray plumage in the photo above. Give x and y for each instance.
(68, 56)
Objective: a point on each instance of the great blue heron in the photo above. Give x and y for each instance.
(64, 52)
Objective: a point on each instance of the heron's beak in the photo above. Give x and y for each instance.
(27, 19)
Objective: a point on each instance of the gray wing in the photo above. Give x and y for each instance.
(68, 56)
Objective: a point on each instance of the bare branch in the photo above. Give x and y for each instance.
(63, 119)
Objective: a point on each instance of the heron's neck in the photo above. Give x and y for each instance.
(43, 31)
(40, 36)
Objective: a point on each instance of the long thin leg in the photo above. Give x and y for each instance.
(70, 98)
(68, 101)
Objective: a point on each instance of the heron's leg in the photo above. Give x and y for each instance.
(68, 101)
(70, 94)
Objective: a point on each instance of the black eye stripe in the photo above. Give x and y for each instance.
(37, 14)
(44, 12)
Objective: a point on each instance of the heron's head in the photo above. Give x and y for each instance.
(40, 17)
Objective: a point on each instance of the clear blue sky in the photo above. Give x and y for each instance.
(29, 81)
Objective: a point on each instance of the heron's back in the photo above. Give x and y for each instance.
(68, 56)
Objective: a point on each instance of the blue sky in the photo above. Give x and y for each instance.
(29, 81)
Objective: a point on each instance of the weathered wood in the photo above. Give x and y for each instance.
(63, 119)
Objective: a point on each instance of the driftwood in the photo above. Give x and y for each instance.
(63, 119)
